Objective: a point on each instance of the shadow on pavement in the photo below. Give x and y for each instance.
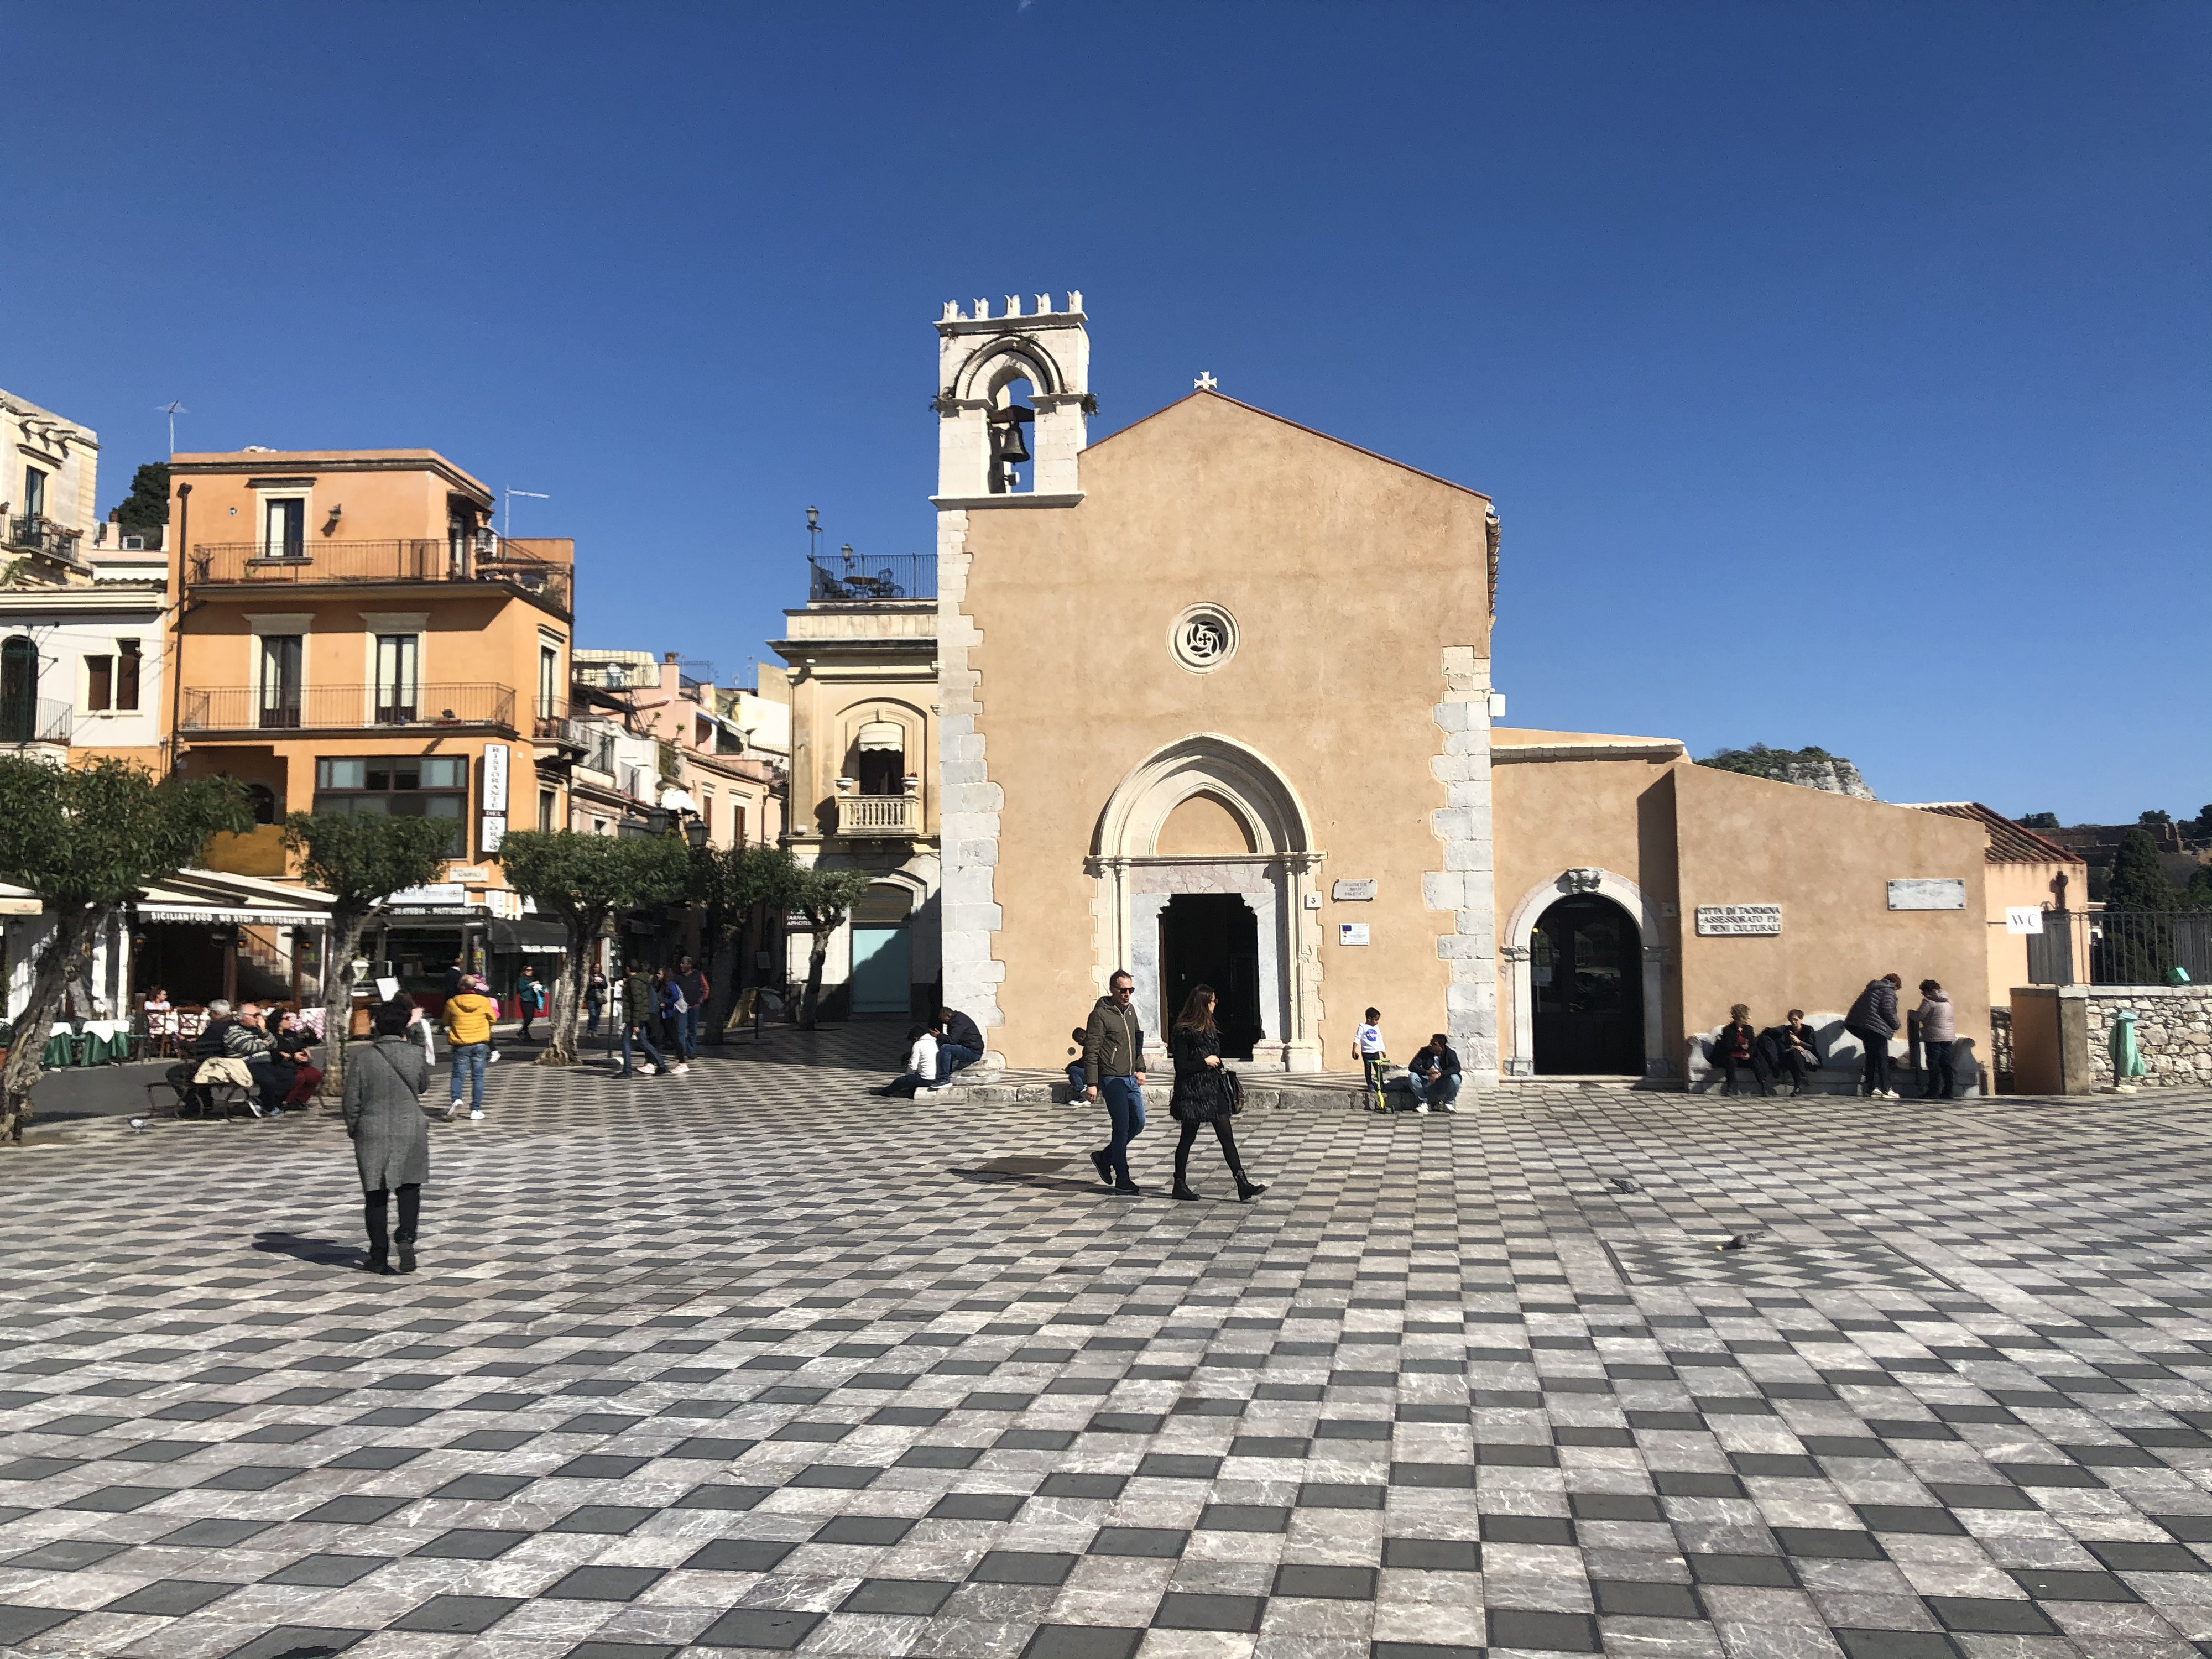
(319, 1250)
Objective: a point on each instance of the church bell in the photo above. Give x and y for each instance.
(1010, 446)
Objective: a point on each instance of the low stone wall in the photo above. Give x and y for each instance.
(1843, 1059)
(2173, 1032)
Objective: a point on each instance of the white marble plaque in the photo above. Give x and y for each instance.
(1739, 921)
(1352, 892)
(1928, 893)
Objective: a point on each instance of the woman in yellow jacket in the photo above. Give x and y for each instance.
(467, 1020)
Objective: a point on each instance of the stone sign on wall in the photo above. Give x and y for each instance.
(1928, 893)
(1739, 921)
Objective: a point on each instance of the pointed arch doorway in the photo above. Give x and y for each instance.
(1203, 859)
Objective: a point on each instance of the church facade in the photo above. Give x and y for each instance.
(1215, 706)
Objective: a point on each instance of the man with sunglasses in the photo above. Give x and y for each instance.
(1113, 1071)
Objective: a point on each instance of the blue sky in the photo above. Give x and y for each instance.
(1840, 372)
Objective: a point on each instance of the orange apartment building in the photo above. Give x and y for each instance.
(351, 634)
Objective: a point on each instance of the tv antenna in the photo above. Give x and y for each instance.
(534, 495)
(172, 409)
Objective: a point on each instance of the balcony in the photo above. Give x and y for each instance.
(347, 708)
(560, 731)
(879, 817)
(319, 563)
(25, 720)
(838, 580)
(31, 534)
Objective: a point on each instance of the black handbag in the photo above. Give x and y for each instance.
(1234, 1086)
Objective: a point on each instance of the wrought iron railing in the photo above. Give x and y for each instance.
(31, 534)
(889, 576)
(46, 720)
(2122, 947)
(864, 816)
(236, 564)
(344, 707)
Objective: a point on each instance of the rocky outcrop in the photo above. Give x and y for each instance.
(1808, 769)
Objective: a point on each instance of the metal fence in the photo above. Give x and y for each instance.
(422, 559)
(886, 576)
(343, 708)
(2121, 947)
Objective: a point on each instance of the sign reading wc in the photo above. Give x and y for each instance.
(1739, 921)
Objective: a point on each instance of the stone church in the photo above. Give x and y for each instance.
(1215, 704)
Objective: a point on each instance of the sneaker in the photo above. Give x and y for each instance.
(492, 1059)
(678, 1069)
(1105, 1168)
(452, 1111)
(475, 1114)
(647, 1068)
(1448, 1107)
(1423, 1108)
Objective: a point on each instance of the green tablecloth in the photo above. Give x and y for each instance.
(61, 1050)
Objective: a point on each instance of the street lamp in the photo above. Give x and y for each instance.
(695, 831)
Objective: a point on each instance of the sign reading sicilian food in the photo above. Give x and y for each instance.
(1739, 921)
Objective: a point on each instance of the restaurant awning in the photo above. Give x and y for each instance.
(529, 936)
(216, 898)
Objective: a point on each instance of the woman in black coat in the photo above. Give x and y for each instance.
(1204, 1092)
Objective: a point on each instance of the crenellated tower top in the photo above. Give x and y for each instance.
(1013, 391)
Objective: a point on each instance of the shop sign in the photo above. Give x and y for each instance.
(21, 907)
(2023, 919)
(440, 896)
(494, 779)
(1739, 921)
(493, 832)
(1928, 893)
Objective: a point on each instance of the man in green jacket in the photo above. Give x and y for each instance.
(638, 1002)
(1113, 1071)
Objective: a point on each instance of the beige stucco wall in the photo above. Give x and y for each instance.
(2029, 884)
(1347, 576)
(1684, 835)
(1557, 815)
(1828, 860)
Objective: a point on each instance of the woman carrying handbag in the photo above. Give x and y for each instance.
(1206, 1091)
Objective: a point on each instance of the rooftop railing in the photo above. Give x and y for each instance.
(257, 564)
(30, 533)
(889, 576)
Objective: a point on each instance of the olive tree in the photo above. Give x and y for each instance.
(85, 839)
(360, 861)
(583, 879)
(825, 898)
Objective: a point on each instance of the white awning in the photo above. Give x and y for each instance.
(882, 735)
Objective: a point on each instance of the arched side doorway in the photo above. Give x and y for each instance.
(1586, 988)
(1203, 858)
(1584, 961)
(883, 951)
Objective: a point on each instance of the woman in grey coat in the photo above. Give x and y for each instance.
(384, 1084)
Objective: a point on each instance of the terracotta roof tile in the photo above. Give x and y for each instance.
(2008, 842)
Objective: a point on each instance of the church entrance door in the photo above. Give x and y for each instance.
(1586, 978)
(1212, 938)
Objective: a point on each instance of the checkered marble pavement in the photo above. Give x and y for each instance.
(753, 1361)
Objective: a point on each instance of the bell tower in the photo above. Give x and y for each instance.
(993, 449)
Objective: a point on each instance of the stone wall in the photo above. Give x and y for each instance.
(2173, 1032)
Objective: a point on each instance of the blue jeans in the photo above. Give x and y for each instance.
(1125, 1107)
(951, 1057)
(1441, 1092)
(688, 1039)
(468, 1061)
(1076, 1084)
(636, 1034)
(591, 1019)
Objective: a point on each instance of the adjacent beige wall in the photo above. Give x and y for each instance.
(1348, 577)
(1828, 860)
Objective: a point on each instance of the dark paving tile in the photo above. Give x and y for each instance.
(172, 1598)
(602, 1583)
(1190, 1610)
(464, 1615)
(907, 1598)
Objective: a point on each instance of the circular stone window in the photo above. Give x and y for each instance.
(1203, 638)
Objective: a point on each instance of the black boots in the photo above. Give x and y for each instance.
(1247, 1190)
(1104, 1166)
(1182, 1191)
(378, 1260)
(406, 1254)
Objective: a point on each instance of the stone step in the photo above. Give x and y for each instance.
(1258, 1096)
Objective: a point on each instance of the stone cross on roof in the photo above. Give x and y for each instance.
(1205, 382)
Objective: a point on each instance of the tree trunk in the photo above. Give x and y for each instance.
(817, 955)
(569, 996)
(347, 925)
(722, 973)
(67, 953)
